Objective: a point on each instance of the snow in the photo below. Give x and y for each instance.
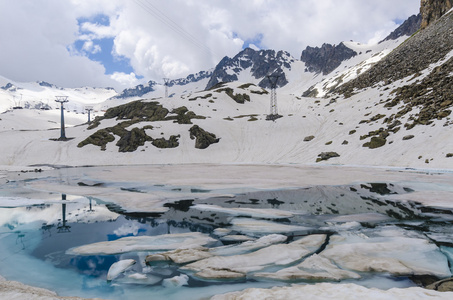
(314, 267)
(144, 243)
(389, 251)
(240, 265)
(324, 291)
(119, 267)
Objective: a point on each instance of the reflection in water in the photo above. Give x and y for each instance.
(63, 227)
(322, 209)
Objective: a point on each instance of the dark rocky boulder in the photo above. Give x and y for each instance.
(326, 156)
(131, 140)
(202, 138)
(100, 138)
(327, 58)
(163, 143)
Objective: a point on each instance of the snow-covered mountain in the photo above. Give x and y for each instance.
(382, 104)
(41, 95)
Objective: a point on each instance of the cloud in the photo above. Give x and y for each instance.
(163, 38)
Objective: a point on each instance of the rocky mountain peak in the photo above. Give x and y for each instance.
(408, 28)
(260, 64)
(327, 58)
(431, 10)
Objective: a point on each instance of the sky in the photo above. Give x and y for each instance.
(122, 43)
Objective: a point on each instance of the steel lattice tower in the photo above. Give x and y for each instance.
(273, 115)
(61, 100)
(89, 109)
(166, 81)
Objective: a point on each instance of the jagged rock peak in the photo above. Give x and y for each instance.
(327, 58)
(408, 28)
(431, 10)
(191, 78)
(137, 91)
(261, 63)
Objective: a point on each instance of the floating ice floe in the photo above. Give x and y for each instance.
(221, 232)
(176, 281)
(119, 267)
(264, 213)
(179, 256)
(235, 238)
(387, 251)
(326, 291)
(237, 266)
(249, 246)
(259, 227)
(145, 243)
(314, 267)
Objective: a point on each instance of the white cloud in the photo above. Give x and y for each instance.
(172, 38)
(125, 79)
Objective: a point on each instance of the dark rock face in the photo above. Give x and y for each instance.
(191, 78)
(408, 28)
(163, 143)
(431, 10)
(326, 156)
(131, 140)
(327, 58)
(445, 285)
(138, 91)
(202, 138)
(261, 64)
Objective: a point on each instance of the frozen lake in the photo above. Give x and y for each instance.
(197, 231)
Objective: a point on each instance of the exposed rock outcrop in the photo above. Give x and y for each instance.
(261, 63)
(327, 58)
(202, 138)
(431, 10)
(408, 28)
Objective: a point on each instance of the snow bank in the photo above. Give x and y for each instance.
(325, 291)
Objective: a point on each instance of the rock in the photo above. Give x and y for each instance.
(203, 139)
(326, 156)
(131, 140)
(162, 143)
(327, 58)
(375, 142)
(260, 63)
(431, 10)
(408, 137)
(408, 28)
(119, 267)
(445, 285)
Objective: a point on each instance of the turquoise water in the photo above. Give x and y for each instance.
(34, 239)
